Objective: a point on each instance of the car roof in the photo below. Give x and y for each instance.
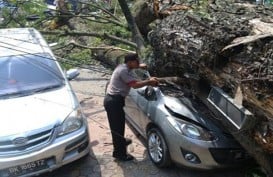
(21, 41)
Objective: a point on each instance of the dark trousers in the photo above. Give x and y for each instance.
(113, 105)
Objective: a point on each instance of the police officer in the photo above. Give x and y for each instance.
(119, 86)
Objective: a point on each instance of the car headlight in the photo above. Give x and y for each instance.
(72, 123)
(191, 130)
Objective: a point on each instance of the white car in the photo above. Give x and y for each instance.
(42, 126)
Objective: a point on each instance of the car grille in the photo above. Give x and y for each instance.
(22, 144)
(228, 156)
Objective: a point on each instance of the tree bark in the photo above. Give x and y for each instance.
(99, 35)
(144, 16)
(230, 49)
(137, 37)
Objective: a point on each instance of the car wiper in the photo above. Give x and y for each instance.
(47, 88)
(15, 94)
(29, 92)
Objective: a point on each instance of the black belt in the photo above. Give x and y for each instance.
(115, 96)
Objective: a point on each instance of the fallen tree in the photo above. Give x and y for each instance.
(230, 46)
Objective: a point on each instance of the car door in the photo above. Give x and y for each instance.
(131, 109)
(137, 107)
(143, 104)
(136, 104)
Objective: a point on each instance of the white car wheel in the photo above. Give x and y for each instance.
(157, 148)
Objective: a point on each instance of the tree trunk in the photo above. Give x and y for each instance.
(137, 37)
(144, 16)
(229, 46)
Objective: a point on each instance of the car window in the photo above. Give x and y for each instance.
(27, 73)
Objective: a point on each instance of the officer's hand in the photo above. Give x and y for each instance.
(142, 66)
(153, 81)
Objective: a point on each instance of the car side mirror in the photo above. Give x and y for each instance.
(150, 93)
(72, 74)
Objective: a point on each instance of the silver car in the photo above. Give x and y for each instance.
(179, 128)
(42, 126)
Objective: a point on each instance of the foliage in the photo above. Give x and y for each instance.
(201, 9)
(77, 58)
(102, 17)
(115, 8)
(119, 32)
(21, 13)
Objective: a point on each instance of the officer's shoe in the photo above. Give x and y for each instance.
(126, 157)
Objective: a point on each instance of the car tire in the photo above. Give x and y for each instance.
(157, 148)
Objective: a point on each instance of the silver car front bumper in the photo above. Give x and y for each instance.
(59, 152)
(210, 154)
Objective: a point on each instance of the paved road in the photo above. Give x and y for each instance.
(89, 87)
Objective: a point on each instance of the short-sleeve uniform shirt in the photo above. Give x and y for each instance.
(120, 81)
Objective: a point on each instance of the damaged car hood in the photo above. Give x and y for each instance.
(185, 108)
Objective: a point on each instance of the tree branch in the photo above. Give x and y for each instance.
(137, 37)
(101, 8)
(98, 35)
(94, 48)
(107, 20)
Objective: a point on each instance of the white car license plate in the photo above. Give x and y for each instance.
(24, 168)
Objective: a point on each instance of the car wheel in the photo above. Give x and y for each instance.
(157, 148)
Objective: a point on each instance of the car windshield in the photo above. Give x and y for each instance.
(26, 74)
